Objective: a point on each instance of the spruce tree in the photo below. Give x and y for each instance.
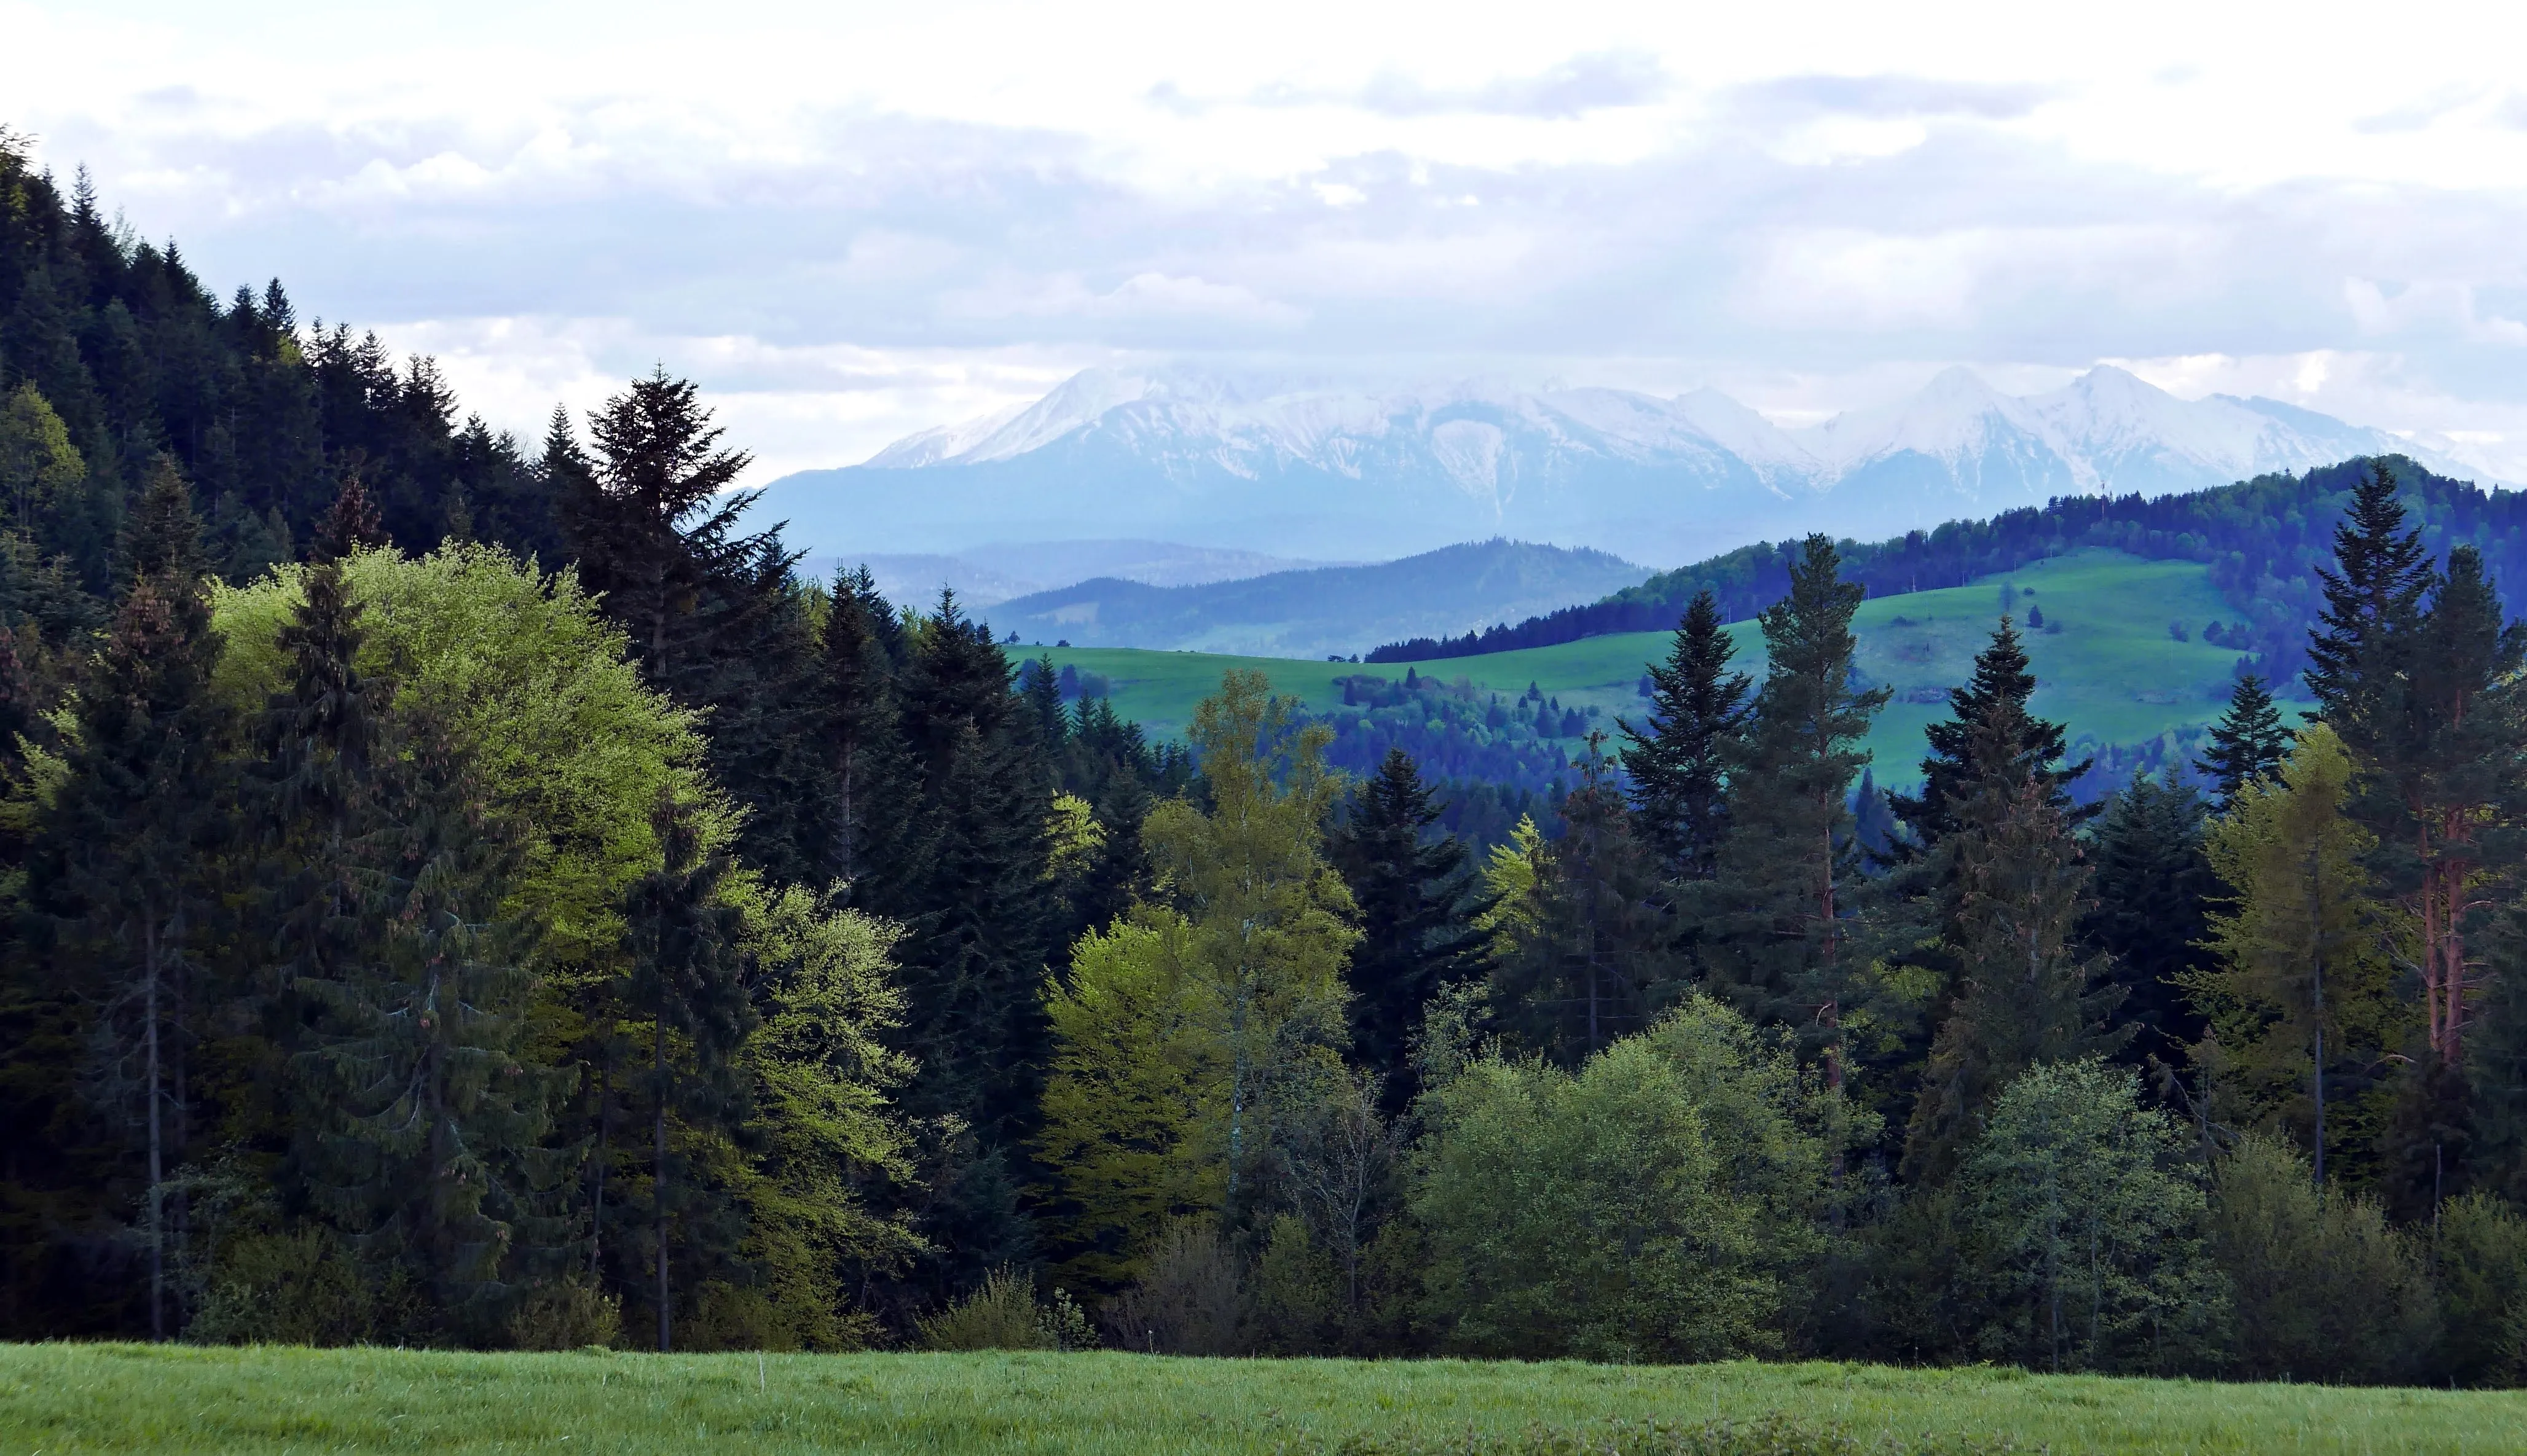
(1788, 924)
(714, 618)
(688, 981)
(124, 858)
(1951, 769)
(2248, 744)
(1414, 893)
(2027, 991)
(868, 774)
(1601, 959)
(2152, 887)
(1677, 763)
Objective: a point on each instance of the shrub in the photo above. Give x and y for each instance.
(2481, 1262)
(1001, 1314)
(2325, 1288)
(1191, 1298)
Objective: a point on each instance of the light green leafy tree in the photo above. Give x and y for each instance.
(1661, 1203)
(2083, 1228)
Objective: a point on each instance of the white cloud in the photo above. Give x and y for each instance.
(853, 218)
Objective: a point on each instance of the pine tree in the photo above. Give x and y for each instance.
(2027, 991)
(688, 981)
(1417, 905)
(1599, 958)
(2248, 744)
(1949, 771)
(123, 860)
(868, 772)
(2153, 888)
(714, 618)
(1782, 921)
(1678, 765)
(2373, 598)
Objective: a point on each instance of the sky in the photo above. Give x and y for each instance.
(850, 222)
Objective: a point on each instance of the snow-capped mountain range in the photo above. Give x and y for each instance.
(1317, 469)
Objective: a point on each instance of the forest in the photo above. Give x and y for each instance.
(2263, 541)
(467, 894)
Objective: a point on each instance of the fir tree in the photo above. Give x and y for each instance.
(2000, 676)
(1782, 921)
(1417, 905)
(2027, 993)
(1600, 958)
(688, 981)
(711, 611)
(2373, 598)
(128, 839)
(2248, 744)
(1679, 766)
(2152, 891)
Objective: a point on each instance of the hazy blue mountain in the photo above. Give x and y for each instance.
(987, 575)
(1316, 469)
(1326, 610)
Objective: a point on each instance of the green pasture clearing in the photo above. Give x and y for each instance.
(75, 1398)
(2113, 670)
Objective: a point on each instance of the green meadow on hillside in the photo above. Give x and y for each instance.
(2112, 671)
(140, 1398)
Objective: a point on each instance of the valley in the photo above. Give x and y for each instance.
(2110, 668)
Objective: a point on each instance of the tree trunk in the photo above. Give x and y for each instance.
(157, 1168)
(658, 1193)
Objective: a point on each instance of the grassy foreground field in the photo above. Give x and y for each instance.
(2113, 670)
(66, 1398)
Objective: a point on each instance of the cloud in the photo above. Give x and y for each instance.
(1886, 97)
(802, 204)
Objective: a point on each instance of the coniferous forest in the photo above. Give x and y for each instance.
(465, 892)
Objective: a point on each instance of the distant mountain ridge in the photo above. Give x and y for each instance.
(1326, 609)
(1311, 468)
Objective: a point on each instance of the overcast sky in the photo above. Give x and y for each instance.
(850, 222)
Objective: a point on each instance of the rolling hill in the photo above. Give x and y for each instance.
(1326, 610)
(2110, 667)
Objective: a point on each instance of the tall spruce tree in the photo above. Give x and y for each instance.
(1678, 762)
(714, 616)
(688, 981)
(2413, 670)
(1416, 903)
(2248, 744)
(1789, 925)
(127, 846)
(1951, 769)
(2026, 991)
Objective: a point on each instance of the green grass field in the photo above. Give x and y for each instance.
(67, 1398)
(2113, 670)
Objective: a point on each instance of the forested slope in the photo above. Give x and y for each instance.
(2261, 540)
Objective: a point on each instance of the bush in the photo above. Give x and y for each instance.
(565, 1314)
(1001, 1314)
(2481, 1263)
(303, 1289)
(2325, 1288)
(1191, 1298)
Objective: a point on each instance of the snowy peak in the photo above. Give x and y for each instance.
(1320, 466)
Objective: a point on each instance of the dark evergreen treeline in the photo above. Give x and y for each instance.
(2262, 538)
